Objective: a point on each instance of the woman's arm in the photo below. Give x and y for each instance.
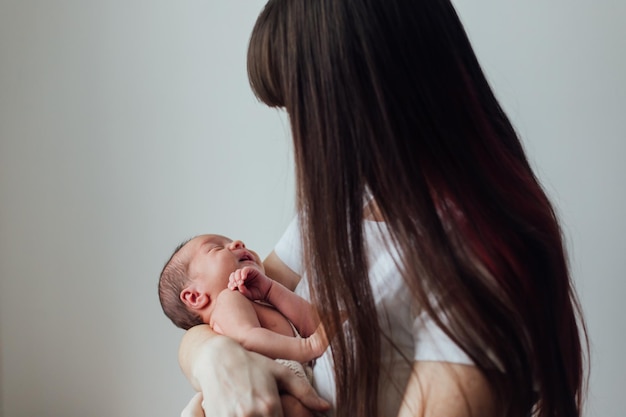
(276, 269)
(234, 381)
(443, 389)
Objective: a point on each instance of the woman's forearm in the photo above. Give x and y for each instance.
(193, 352)
(235, 381)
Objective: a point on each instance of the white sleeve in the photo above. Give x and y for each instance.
(289, 247)
(432, 344)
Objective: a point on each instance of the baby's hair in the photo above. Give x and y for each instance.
(173, 279)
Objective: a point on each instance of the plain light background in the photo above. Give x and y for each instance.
(128, 126)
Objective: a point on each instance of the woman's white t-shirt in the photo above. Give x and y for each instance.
(414, 334)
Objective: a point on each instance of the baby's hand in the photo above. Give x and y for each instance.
(318, 342)
(251, 282)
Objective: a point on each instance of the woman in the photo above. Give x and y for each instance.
(388, 106)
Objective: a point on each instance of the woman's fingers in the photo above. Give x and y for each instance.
(248, 406)
(300, 388)
(236, 382)
(194, 407)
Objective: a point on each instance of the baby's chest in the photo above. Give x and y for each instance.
(273, 320)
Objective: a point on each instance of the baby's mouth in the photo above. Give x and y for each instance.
(246, 257)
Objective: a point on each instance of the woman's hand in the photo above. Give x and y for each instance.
(194, 407)
(236, 382)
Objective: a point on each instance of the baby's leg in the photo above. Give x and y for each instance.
(292, 407)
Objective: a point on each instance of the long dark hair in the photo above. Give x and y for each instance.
(386, 97)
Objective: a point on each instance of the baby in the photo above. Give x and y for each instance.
(214, 280)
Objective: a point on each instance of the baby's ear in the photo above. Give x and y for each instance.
(194, 299)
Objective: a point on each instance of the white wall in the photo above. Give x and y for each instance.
(128, 126)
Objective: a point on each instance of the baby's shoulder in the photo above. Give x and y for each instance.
(226, 302)
(227, 296)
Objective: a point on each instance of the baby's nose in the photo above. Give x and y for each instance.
(237, 244)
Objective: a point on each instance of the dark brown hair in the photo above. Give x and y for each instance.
(172, 280)
(387, 97)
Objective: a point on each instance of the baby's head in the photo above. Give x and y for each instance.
(197, 272)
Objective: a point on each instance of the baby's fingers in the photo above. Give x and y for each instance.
(232, 281)
(244, 272)
(236, 281)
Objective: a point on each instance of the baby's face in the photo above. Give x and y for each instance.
(213, 258)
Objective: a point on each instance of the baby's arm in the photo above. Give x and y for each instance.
(257, 286)
(298, 310)
(235, 316)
